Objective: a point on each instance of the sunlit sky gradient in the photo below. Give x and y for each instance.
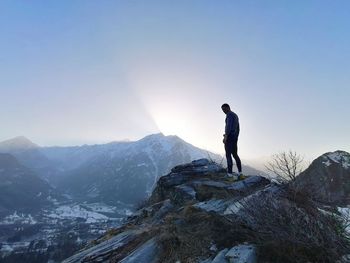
(74, 72)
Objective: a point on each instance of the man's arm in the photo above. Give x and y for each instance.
(228, 127)
(229, 124)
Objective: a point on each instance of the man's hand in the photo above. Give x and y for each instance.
(225, 139)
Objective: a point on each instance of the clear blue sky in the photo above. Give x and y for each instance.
(74, 72)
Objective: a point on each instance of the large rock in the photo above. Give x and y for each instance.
(104, 250)
(215, 205)
(198, 166)
(147, 253)
(177, 181)
(202, 180)
(328, 178)
(220, 257)
(242, 254)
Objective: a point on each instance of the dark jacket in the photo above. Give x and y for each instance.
(232, 125)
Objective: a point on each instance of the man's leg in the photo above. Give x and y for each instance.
(236, 157)
(228, 150)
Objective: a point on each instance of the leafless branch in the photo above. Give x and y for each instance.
(285, 165)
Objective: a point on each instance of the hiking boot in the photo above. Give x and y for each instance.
(231, 176)
(228, 175)
(241, 176)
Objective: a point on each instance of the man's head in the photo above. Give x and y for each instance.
(225, 108)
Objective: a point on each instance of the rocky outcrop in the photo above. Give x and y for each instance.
(328, 178)
(195, 214)
(202, 180)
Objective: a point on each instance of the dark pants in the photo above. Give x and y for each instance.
(231, 149)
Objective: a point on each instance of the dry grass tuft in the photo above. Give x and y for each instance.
(188, 236)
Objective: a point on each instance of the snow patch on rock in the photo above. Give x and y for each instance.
(339, 157)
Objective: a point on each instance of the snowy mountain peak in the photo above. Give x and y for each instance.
(339, 157)
(155, 136)
(17, 143)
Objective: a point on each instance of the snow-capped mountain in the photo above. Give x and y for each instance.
(128, 171)
(118, 171)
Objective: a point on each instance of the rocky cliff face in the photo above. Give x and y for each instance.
(195, 214)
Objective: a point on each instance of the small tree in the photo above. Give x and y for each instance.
(285, 165)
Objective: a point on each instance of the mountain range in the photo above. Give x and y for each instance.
(20, 189)
(124, 171)
(55, 199)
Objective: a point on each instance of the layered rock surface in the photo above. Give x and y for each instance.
(199, 186)
(195, 214)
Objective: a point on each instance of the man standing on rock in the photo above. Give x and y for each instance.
(230, 141)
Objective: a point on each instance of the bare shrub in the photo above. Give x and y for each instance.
(185, 236)
(210, 158)
(292, 230)
(285, 165)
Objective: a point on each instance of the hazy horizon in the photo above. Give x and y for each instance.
(257, 162)
(88, 72)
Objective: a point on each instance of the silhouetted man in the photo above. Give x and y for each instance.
(230, 140)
